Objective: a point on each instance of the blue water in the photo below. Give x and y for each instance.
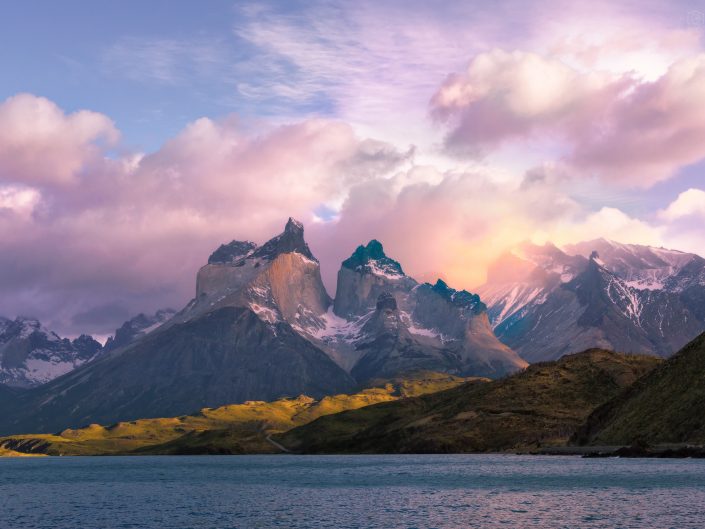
(444, 491)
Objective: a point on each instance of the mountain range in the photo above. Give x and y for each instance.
(32, 355)
(262, 327)
(595, 403)
(545, 302)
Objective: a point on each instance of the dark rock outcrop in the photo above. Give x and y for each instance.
(232, 252)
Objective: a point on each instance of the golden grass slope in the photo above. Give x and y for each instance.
(11, 453)
(237, 428)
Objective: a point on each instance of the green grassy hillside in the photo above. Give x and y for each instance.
(666, 406)
(542, 406)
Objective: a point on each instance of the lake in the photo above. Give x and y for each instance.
(421, 491)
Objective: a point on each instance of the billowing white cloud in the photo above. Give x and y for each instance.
(506, 95)
(18, 200)
(689, 202)
(610, 223)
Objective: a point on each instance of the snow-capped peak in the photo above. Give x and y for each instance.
(372, 259)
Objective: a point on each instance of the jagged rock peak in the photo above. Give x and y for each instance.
(136, 327)
(460, 298)
(372, 259)
(595, 263)
(291, 240)
(294, 226)
(386, 300)
(231, 252)
(87, 345)
(24, 325)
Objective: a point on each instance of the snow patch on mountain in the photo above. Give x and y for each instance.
(382, 269)
(40, 370)
(641, 267)
(265, 313)
(340, 329)
(506, 300)
(31, 354)
(625, 298)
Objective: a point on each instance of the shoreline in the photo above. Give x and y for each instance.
(672, 451)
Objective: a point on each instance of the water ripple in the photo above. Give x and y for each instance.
(341, 492)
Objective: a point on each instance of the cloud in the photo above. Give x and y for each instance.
(650, 132)
(619, 127)
(126, 234)
(689, 202)
(345, 59)
(610, 223)
(452, 228)
(18, 200)
(506, 95)
(130, 232)
(40, 144)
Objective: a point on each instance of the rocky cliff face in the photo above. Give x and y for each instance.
(280, 280)
(31, 355)
(366, 274)
(385, 323)
(616, 296)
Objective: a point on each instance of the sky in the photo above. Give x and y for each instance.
(136, 137)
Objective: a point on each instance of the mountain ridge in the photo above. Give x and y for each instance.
(262, 326)
(544, 302)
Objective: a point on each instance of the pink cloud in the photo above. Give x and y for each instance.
(129, 234)
(503, 96)
(134, 230)
(650, 132)
(618, 127)
(39, 143)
